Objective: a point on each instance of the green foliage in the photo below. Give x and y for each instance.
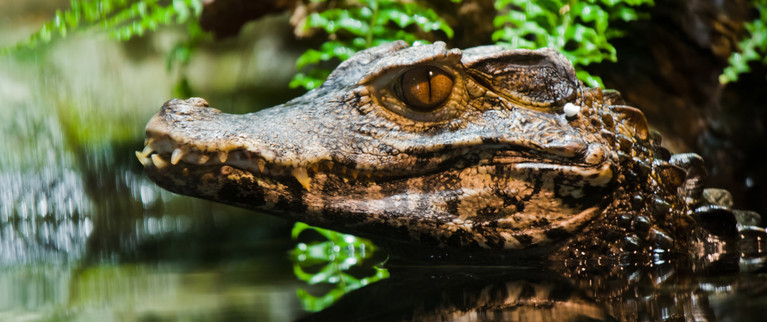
(752, 49)
(361, 24)
(577, 28)
(121, 19)
(334, 261)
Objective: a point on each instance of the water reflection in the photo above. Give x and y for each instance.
(467, 294)
(144, 291)
(535, 294)
(42, 217)
(133, 252)
(724, 280)
(333, 264)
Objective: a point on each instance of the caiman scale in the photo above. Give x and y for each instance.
(429, 150)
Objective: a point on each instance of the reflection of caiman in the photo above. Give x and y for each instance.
(480, 151)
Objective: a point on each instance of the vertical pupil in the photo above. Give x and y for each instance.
(429, 75)
(425, 88)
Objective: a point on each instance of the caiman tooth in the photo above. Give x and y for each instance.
(368, 174)
(159, 163)
(148, 141)
(302, 176)
(261, 165)
(355, 173)
(176, 156)
(142, 158)
(146, 152)
(316, 167)
(330, 165)
(203, 159)
(222, 156)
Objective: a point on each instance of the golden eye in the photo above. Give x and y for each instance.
(425, 88)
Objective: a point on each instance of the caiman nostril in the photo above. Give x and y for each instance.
(198, 101)
(185, 107)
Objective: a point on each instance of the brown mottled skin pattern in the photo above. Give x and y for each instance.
(508, 155)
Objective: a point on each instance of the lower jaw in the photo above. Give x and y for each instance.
(396, 225)
(181, 176)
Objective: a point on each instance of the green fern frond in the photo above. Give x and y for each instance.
(579, 29)
(120, 19)
(362, 24)
(753, 47)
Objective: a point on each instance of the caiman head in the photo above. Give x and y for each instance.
(480, 148)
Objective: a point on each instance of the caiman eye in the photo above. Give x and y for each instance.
(425, 88)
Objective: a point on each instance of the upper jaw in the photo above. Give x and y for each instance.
(192, 135)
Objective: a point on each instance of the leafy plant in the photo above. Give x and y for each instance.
(120, 19)
(752, 49)
(577, 28)
(336, 257)
(361, 24)
(124, 19)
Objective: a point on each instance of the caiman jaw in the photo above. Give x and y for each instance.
(170, 148)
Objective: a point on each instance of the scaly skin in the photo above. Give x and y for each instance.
(519, 160)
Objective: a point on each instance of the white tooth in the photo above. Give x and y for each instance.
(203, 158)
(142, 158)
(146, 152)
(302, 177)
(159, 163)
(222, 156)
(176, 156)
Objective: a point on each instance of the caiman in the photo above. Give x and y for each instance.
(463, 154)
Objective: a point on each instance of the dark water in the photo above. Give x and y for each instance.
(85, 236)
